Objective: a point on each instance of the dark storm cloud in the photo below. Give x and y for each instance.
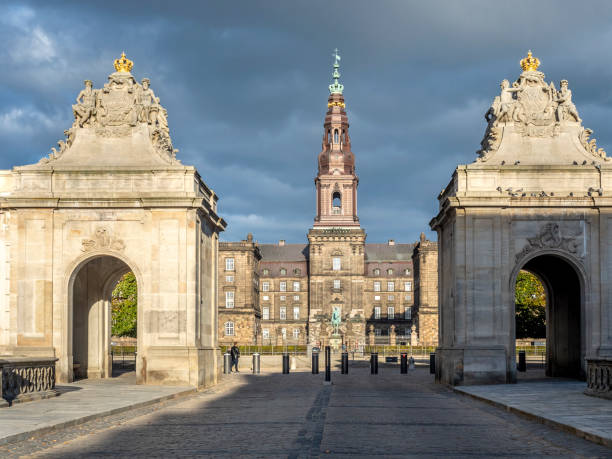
(245, 85)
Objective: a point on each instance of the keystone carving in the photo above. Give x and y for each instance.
(550, 237)
(102, 239)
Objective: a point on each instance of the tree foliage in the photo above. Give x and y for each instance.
(124, 306)
(530, 300)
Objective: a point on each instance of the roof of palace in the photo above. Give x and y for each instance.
(287, 252)
(299, 252)
(386, 252)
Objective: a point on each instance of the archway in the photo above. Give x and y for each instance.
(91, 287)
(563, 286)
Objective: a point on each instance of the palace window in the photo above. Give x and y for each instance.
(283, 297)
(296, 333)
(390, 286)
(377, 331)
(296, 297)
(283, 286)
(283, 313)
(407, 313)
(391, 312)
(266, 298)
(296, 313)
(229, 264)
(389, 271)
(283, 272)
(336, 203)
(377, 312)
(229, 299)
(296, 286)
(408, 286)
(265, 286)
(377, 272)
(229, 328)
(408, 297)
(265, 333)
(336, 283)
(284, 333)
(266, 313)
(407, 272)
(336, 265)
(377, 286)
(376, 297)
(229, 278)
(390, 297)
(266, 272)
(297, 271)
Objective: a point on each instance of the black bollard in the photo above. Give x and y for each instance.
(327, 364)
(522, 365)
(315, 363)
(374, 363)
(285, 364)
(432, 363)
(404, 363)
(345, 363)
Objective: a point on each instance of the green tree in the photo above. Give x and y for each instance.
(530, 300)
(124, 306)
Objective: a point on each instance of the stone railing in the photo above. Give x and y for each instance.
(27, 378)
(599, 378)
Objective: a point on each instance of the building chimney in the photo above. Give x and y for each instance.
(391, 242)
(281, 242)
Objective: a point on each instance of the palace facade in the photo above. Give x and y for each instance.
(286, 293)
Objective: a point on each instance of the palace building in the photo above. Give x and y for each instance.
(287, 293)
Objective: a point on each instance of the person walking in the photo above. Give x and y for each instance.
(235, 352)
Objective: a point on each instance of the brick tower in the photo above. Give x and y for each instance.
(337, 242)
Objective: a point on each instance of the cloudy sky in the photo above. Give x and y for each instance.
(245, 85)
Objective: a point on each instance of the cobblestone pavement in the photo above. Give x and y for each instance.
(275, 415)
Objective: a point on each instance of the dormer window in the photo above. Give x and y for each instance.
(283, 272)
(377, 272)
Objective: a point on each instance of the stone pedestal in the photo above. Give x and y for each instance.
(335, 341)
(599, 378)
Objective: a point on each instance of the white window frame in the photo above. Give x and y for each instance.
(408, 286)
(296, 313)
(296, 286)
(282, 314)
(229, 299)
(265, 313)
(377, 286)
(283, 286)
(229, 278)
(229, 328)
(265, 333)
(408, 297)
(337, 283)
(296, 297)
(229, 264)
(296, 333)
(390, 312)
(390, 286)
(265, 286)
(376, 297)
(391, 297)
(377, 312)
(390, 272)
(283, 272)
(283, 297)
(284, 333)
(377, 332)
(266, 297)
(336, 264)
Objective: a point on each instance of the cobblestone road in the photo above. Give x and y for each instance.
(274, 415)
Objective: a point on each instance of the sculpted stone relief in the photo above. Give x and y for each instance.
(550, 237)
(535, 109)
(102, 239)
(116, 108)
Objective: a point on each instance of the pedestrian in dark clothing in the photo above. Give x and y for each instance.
(235, 352)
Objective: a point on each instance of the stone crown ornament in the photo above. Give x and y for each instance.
(123, 64)
(530, 63)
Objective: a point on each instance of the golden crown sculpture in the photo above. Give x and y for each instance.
(530, 63)
(123, 64)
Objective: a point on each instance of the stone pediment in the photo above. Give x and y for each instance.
(120, 125)
(533, 123)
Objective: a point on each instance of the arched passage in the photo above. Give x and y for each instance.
(91, 286)
(564, 350)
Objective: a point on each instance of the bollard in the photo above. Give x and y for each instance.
(411, 363)
(432, 363)
(285, 364)
(256, 364)
(327, 364)
(315, 363)
(227, 363)
(344, 366)
(522, 365)
(293, 362)
(374, 363)
(404, 363)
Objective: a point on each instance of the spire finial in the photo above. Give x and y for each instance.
(336, 87)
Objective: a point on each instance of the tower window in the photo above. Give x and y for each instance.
(336, 139)
(336, 202)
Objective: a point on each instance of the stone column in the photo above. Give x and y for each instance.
(392, 335)
(414, 339)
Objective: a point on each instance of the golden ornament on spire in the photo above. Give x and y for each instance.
(530, 63)
(123, 64)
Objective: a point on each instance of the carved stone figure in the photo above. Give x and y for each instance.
(85, 107)
(335, 319)
(148, 104)
(565, 106)
(550, 237)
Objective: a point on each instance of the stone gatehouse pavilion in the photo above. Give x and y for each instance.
(111, 198)
(287, 293)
